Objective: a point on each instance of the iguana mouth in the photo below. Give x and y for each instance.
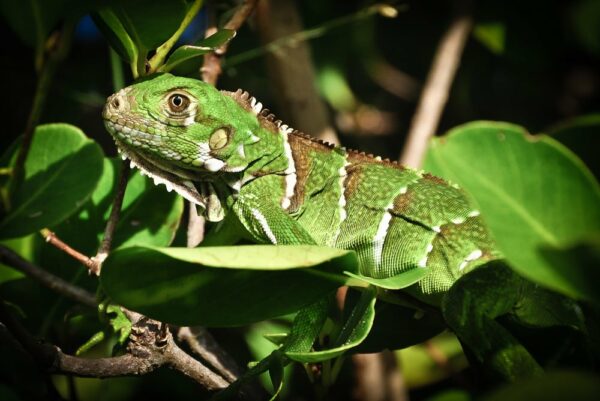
(173, 177)
(170, 179)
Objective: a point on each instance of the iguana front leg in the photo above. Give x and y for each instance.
(470, 308)
(262, 216)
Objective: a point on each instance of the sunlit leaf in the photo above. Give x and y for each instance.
(532, 192)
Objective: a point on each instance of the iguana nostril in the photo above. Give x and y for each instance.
(115, 103)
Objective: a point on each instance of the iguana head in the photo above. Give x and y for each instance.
(180, 131)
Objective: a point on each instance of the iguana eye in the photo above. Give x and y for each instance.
(178, 102)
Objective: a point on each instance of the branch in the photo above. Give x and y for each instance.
(151, 346)
(291, 70)
(51, 281)
(436, 90)
(211, 67)
(51, 238)
(200, 341)
(111, 224)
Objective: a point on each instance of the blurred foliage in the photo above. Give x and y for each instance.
(534, 63)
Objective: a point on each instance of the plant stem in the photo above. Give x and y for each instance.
(164, 49)
(436, 91)
(55, 56)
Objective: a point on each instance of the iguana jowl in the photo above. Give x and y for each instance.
(224, 152)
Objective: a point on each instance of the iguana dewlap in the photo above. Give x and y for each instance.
(224, 152)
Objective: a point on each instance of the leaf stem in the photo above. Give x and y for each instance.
(161, 53)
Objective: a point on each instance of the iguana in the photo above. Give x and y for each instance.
(230, 156)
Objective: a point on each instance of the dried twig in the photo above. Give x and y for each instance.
(211, 68)
(51, 281)
(112, 221)
(53, 239)
(436, 90)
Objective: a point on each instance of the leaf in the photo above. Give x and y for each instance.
(114, 31)
(355, 329)
(532, 192)
(150, 23)
(396, 282)
(188, 52)
(582, 136)
(397, 327)
(33, 19)
(61, 171)
(578, 265)
(223, 286)
(553, 386)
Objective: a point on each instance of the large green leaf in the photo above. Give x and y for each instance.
(61, 171)
(532, 192)
(223, 286)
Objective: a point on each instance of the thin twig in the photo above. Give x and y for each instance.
(436, 90)
(53, 239)
(201, 342)
(112, 221)
(51, 281)
(211, 67)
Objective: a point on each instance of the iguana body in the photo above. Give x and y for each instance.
(227, 154)
(224, 152)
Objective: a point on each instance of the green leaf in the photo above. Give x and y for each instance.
(398, 327)
(188, 52)
(150, 23)
(582, 136)
(396, 282)
(532, 192)
(61, 171)
(355, 329)
(492, 35)
(114, 31)
(578, 265)
(223, 286)
(553, 386)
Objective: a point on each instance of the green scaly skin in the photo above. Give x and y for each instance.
(225, 153)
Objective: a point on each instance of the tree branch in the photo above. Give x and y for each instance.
(151, 346)
(201, 342)
(436, 90)
(51, 281)
(211, 67)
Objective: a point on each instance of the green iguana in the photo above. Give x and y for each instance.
(224, 152)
